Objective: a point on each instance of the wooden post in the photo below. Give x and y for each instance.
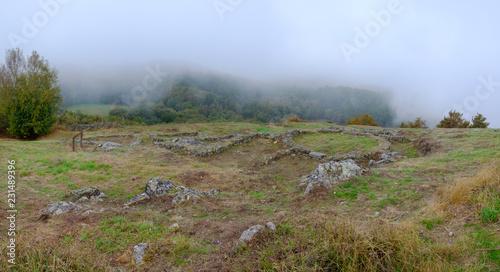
(81, 138)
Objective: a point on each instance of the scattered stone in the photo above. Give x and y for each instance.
(82, 199)
(58, 208)
(96, 199)
(174, 227)
(157, 186)
(330, 173)
(186, 194)
(271, 226)
(88, 212)
(62, 139)
(139, 251)
(108, 146)
(137, 199)
(85, 192)
(187, 140)
(317, 155)
(384, 159)
(248, 235)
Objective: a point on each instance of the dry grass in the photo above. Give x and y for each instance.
(294, 120)
(317, 232)
(479, 189)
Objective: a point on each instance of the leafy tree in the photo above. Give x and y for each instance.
(119, 112)
(29, 94)
(454, 120)
(418, 123)
(365, 119)
(478, 121)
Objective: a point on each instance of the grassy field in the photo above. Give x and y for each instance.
(332, 144)
(394, 218)
(93, 109)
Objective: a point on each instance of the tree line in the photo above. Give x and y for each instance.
(201, 98)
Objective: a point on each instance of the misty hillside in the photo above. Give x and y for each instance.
(208, 96)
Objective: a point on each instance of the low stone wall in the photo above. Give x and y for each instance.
(81, 127)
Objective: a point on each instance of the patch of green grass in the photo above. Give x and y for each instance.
(489, 244)
(66, 239)
(389, 201)
(258, 195)
(24, 173)
(332, 144)
(431, 223)
(263, 129)
(93, 109)
(489, 214)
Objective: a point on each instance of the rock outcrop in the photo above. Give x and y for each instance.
(87, 192)
(250, 233)
(58, 208)
(330, 173)
(385, 158)
(108, 146)
(156, 187)
(139, 252)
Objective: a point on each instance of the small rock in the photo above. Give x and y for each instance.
(317, 155)
(88, 212)
(139, 251)
(62, 139)
(248, 235)
(271, 226)
(174, 227)
(137, 199)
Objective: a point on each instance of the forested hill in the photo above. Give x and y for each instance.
(195, 97)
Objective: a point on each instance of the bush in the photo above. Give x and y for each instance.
(478, 121)
(454, 120)
(294, 120)
(418, 123)
(119, 112)
(365, 120)
(29, 94)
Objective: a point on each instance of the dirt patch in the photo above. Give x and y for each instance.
(425, 145)
(193, 178)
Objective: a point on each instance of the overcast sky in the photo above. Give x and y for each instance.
(433, 55)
